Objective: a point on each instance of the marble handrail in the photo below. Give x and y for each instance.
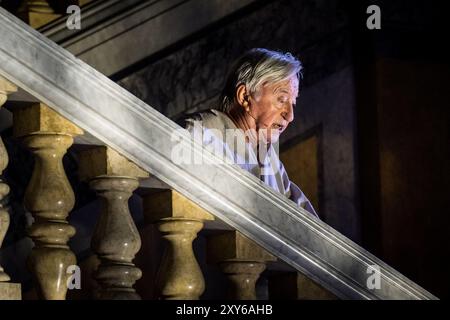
(128, 125)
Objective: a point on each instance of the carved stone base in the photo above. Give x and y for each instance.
(10, 291)
(242, 276)
(241, 260)
(293, 285)
(37, 19)
(37, 13)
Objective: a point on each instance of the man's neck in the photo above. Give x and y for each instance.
(244, 121)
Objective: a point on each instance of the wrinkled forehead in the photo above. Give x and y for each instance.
(288, 86)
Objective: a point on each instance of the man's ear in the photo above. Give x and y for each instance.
(242, 96)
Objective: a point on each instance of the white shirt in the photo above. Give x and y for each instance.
(218, 131)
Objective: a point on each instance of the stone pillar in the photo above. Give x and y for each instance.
(240, 259)
(296, 286)
(8, 290)
(179, 220)
(49, 196)
(116, 239)
(37, 13)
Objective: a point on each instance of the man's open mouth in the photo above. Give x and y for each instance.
(277, 126)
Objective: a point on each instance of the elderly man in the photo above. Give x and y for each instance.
(256, 106)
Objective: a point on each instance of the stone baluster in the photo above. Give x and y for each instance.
(37, 13)
(116, 239)
(240, 259)
(179, 220)
(49, 196)
(8, 290)
(296, 286)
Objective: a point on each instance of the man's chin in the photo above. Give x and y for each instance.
(268, 136)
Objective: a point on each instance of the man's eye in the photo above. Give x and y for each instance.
(282, 100)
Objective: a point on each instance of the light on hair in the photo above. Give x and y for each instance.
(256, 68)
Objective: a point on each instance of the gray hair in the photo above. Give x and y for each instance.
(255, 68)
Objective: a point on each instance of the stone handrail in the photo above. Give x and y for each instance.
(120, 120)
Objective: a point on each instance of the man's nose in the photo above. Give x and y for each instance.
(288, 115)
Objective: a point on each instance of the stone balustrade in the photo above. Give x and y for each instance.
(115, 241)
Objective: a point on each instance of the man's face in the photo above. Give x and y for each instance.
(272, 107)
